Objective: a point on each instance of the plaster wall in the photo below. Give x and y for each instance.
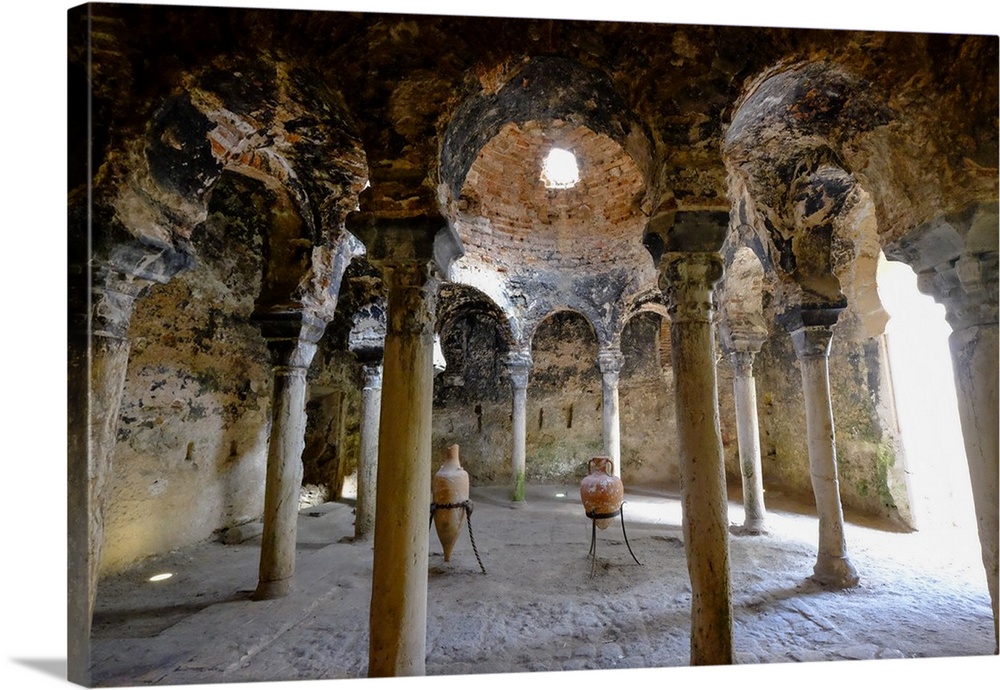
(195, 415)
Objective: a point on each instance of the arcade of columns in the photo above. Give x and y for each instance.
(954, 255)
(688, 279)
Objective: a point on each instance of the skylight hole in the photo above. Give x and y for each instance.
(560, 169)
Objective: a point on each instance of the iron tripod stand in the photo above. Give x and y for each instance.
(594, 517)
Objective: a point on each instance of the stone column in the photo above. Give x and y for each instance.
(748, 438)
(292, 339)
(371, 405)
(98, 361)
(413, 255)
(610, 363)
(102, 297)
(967, 287)
(519, 366)
(688, 280)
(811, 335)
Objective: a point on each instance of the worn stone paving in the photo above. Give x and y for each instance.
(538, 608)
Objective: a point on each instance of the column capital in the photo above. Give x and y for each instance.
(428, 240)
(742, 361)
(113, 301)
(519, 365)
(372, 373)
(967, 287)
(811, 328)
(123, 276)
(738, 339)
(812, 341)
(687, 279)
(292, 337)
(610, 361)
(955, 259)
(411, 288)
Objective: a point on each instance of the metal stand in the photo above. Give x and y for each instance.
(594, 517)
(465, 505)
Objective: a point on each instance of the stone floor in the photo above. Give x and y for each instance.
(538, 607)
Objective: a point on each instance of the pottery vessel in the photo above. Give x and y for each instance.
(449, 485)
(601, 491)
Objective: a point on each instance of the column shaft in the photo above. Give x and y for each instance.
(610, 363)
(833, 568)
(283, 484)
(975, 355)
(371, 404)
(398, 614)
(518, 366)
(96, 388)
(689, 281)
(748, 441)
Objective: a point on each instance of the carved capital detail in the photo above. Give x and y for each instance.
(742, 361)
(812, 341)
(687, 280)
(292, 338)
(966, 287)
(113, 303)
(412, 298)
(373, 376)
(519, 367)
(610, 363)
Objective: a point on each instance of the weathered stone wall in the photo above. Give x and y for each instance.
(473, 403)
(870, 465)
(192, 436)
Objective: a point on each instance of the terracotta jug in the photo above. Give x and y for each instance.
(450, 485)
(601, 491)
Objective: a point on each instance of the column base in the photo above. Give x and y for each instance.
(835, 573)
(517, 503)
(750, 528)
(273, 590)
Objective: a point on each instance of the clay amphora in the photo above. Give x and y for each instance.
(449, 485)
(601, 491)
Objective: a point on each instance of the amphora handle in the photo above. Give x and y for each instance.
(602, 463)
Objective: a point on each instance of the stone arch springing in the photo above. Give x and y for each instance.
(651, 301)
(742, 298)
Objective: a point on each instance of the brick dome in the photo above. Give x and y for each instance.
(511, 220)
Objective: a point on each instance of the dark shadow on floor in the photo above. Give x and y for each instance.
(150, 621)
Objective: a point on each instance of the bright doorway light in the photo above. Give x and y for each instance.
(925, 400)
(560, 170)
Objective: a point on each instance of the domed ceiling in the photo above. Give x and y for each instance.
(514, 220)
